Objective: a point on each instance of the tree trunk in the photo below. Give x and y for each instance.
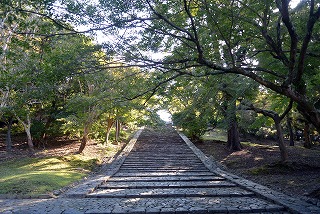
(50, 120)
(110, 122)
(233, 142)
(233, 137)
(30, 143)
(85, 138)
(27, 128)
(306, 134)
(118, 126)
(277, 120)
(310, 113)
(282, 146)
(291, 135)
(8, 137)
(46, 127)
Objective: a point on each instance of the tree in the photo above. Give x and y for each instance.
(38, 64)
(289, 125)
(277, 121)
(227, 37)
(191, 103)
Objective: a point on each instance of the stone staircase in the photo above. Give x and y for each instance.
(163, 175)
(161, 172)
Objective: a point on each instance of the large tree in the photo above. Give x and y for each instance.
(268, 42)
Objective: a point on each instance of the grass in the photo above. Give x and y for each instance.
(263, 170)
(35, 176)
(215, 134)
(278, 168)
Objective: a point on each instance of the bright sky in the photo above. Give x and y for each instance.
(294, 3)
(164, 115)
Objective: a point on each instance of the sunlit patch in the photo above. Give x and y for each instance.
(292, 182)
(258, 158)
(243, 153)
(32, 176)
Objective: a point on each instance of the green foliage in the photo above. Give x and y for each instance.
(248, 38)
(194, 125)
(218, 135)
(37, 129)
(66, 80)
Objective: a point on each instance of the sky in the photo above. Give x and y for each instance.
(164, 115)
(294, 3)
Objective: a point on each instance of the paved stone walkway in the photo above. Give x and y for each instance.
(163, 173)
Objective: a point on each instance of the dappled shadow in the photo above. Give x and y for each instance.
(260, 162)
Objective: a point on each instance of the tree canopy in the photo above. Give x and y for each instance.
(269, 42)
(202, 59)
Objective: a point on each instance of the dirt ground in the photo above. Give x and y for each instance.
(58, 147)
(260, 162)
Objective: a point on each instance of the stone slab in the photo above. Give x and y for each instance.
(169, 192)
(131, 205)
(166, 184)
(167, 178)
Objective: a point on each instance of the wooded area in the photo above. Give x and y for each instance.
(75, 68)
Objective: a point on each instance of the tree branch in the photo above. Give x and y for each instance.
(289, 107)
(284, 10)
(313, 17)
(153, 89)
(194, 29)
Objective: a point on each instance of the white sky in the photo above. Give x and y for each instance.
(164, 115)
(294, 3)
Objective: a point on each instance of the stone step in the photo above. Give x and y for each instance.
(163, 157)
(202, 168)
(155, 165)
(179, 151)
(162, 165)
(167, 178)
(158, 193)
(159, 151)
(172, 167)
(161, 174)
(160, 171)
(163, 169)
(165, 184)
(164, 161)
(171, 205)
(167, 169)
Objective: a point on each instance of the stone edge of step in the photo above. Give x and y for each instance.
(294, 205)
(81, 190)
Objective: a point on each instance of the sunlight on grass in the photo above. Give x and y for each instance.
(263, 170)
(261, 146)
(258, 158)
(215, 134)
(33, 176)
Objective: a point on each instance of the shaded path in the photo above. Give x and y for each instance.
(161, 173)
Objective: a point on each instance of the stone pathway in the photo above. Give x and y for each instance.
(163, 173)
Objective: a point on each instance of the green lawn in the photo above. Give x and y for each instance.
(215, 134)
(34, 176)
